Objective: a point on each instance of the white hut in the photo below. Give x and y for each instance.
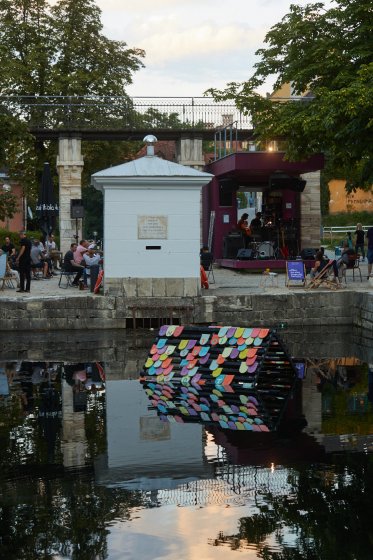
(151, 226)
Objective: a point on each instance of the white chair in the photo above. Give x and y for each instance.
(3, 270)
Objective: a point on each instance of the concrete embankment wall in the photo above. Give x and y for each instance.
(90, 312)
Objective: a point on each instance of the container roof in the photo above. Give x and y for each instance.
(151, 166)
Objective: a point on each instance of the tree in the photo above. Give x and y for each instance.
(328, 54)
(57, 49)
(8, 204)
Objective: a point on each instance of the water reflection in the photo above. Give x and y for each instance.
(90, 470)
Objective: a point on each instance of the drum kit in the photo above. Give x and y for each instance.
(264, 250)
(268, 245)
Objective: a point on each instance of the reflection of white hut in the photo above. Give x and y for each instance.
(142, 451)
(151, 226)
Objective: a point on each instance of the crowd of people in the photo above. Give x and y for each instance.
(40, 259)
(85, 260)
(349, 254)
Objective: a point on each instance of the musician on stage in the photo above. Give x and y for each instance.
(256, 223)
(243, 225)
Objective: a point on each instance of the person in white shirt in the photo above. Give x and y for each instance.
(52, 251)
(92, 261)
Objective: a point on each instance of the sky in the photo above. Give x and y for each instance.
(192, 45)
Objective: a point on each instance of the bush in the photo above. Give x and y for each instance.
(348, 219)
(14, 236)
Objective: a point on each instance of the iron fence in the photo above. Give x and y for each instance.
(124, 112)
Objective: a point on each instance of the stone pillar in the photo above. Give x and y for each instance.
(310, 211)
(73, 442)
(189, 152)
(312, 404)
(69, 167)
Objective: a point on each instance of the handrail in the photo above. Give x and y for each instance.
(340, 229)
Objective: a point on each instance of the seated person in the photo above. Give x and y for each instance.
(243, 226)
(206, 258)
(69, 265)
(91, 260)
(37, 259)
(11, 273)
(52, 250)
(8, 247)
(321, 262)
(348, 256)
(45, 255)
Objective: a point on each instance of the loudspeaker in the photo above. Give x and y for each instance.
(245, 255)
(231, 244)
(282, 181)
(308, 254)
(76, 208)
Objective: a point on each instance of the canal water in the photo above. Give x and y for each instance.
(90, 470)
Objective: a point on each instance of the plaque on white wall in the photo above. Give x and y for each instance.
(152, 227)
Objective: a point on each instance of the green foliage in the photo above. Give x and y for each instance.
(55, 48)
(348, 219)
(327, 53)
(93, 203)
(8, 204)
(324, 195)
(14, 236)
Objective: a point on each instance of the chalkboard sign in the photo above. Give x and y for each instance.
(295, 274)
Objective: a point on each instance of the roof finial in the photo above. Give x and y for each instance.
(150, 140)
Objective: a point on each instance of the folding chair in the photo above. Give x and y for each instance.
(66, 279)
(352, 264)
(9, 281)
(322, 278)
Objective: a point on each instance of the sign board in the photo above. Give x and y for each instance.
(300, 366)
(152, 227)
(295, 274)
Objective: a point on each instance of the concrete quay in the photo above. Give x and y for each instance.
(236, 298)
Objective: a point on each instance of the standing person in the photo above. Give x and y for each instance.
(370, 250)
(256, 223)
(24, 263)
(360, 234)
(243, 226)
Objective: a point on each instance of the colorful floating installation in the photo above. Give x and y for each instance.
(237, 377)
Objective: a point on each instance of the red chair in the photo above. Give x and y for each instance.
(352, 264)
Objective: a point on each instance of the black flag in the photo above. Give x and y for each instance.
(46, 206)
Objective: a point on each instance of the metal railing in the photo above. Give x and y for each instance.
(334, 231)
(110, 112)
